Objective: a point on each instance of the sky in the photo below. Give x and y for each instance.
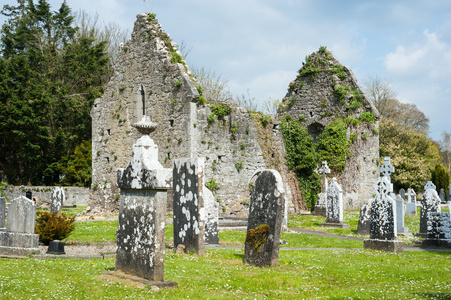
(259, 45)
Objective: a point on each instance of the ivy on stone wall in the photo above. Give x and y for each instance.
(303, 155)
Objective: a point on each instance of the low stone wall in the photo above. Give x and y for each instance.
(74, 195)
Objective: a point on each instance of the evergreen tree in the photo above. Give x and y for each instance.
(49, 78)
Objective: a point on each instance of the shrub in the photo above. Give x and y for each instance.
(51, 226)
(212, 184)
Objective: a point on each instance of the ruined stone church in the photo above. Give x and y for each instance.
(150, 77)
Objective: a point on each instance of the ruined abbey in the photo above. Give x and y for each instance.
(151, 78)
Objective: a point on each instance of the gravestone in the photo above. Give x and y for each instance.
(430, 203)
(400, 216)
(140, 236)
(320, 206)
(442, 196)
(189, 215)
(334, 206)
(2, 213)
(57, 200)
(387, 169)
(449, 194)
(383, 231)
(402, 193)
(439, 230)
(212, 217)
(363, 228)
(411, 195)
(411, 206)
(19, 238)
(265, 220)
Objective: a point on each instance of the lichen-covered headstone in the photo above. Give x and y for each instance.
(320, 206)
(212, 217)
(2, 213)
(334, 205)
(19, 237)
(189, 210)
(57, 200)
(439, 230)
(430, 203)
(363, 228)
(383, 220)
(402, 193)
(140, 236)
(265, 220)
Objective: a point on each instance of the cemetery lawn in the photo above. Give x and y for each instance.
(221, 274)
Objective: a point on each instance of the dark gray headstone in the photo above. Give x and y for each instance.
(383, 213)
(442, 195)
(449, 194)
(402, 193)
(334, 203)
(2, 213)
(439, 230)
(57, 200)
(189, 215)
(430, 203)
(212, 217)
(364, 219)
(265, 220)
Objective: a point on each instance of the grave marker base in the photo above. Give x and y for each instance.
(384, 245)
(337, 225)
(320, 211)
(119, 276)
(436, 243)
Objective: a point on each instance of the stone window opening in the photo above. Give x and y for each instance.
(314, 130)
(143, 99)
(140, 106)
(108, 131)
(171, 122)
(219, 158)
(169, 155)
(107, 160)
(311, 114)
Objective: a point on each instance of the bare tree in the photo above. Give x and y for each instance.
(215, 88)
(380, 92)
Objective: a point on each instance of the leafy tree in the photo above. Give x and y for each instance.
(440, 177)
(49, 78)
(412, 154)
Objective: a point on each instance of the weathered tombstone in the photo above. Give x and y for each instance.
(439, 230)
(334, 206)
(320, 206)
(2, 213)
(430, 203)
(383, 220)
(400, 216)
(411, 195)
(212, 217)
(411, 209)
(140, 236)
(364, 219)
(29, 195)
(449, 194)
(442, 196)
(387, 169)
(57, 200)
(265, 220)
(402, 193)
(189, 216)
(19, 238)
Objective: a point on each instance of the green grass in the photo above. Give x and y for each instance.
(93, 232)
(74, 211)
(221, 274)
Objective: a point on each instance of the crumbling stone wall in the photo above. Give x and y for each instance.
(323, 91)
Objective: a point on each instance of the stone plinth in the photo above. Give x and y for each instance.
(265, 220)
(337, 225)
(140, 236)
(384, 245)
(189, 211)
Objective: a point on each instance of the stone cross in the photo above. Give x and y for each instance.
(411, 195)
(383, 187)
(323, 171)
(429, 186)
(265, 220)
(387, 169)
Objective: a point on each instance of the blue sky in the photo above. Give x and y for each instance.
(258, 45)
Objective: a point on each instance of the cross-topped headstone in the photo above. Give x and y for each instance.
(323, 171)
(387, 169)
(429, 186)
(383, 187)
(411, 195)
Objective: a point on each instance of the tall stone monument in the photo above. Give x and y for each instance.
(430, 203)
(57, 200)
(142, 210)
(189, 210)
(334, 206)
(19, 238)
(383, 231)
(2, 213)
(211, 217)
(265, 220)
(320, 206)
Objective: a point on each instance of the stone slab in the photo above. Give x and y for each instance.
(337, 225)
(265, 220)
(17, 239)
(17, 251)
(384, 245)
(436, 243)
(2, 213)
(363, 228)
(21, 215)
(411, 209)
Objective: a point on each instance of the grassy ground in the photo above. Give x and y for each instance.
(221, 274)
